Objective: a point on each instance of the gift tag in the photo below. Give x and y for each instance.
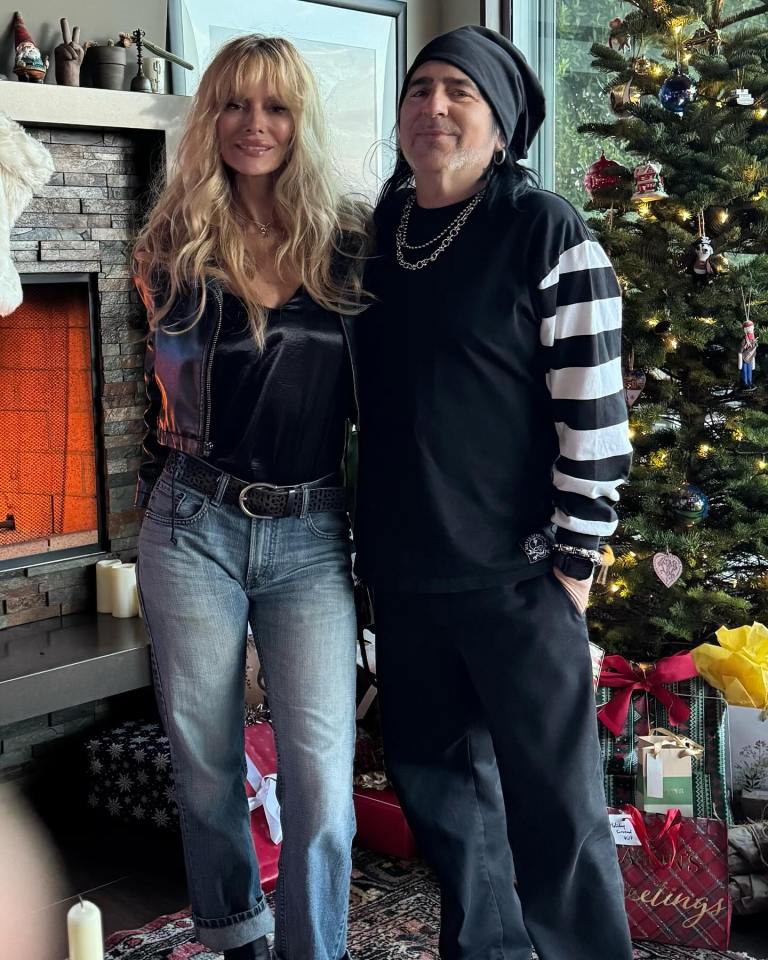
(597, 654)
(667, 567)
(654, 775)
(624, 833)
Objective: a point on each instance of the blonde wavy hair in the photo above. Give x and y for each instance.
(193, 232)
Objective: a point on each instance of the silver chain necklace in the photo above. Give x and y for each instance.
(448, 235)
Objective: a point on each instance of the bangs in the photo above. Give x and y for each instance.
(265, 64)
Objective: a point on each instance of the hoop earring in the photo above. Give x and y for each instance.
(498, 160)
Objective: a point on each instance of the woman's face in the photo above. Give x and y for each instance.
(255, 132)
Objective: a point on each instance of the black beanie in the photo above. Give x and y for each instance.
(502, 75)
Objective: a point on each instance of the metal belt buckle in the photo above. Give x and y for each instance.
(257, 486)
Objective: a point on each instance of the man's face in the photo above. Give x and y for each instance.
(445, 123)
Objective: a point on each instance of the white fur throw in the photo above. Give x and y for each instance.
(25, 166)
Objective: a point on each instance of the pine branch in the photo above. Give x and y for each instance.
(744, 15)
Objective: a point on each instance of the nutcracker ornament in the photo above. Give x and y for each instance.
(649, 184)
(29, 66)
(748, 348)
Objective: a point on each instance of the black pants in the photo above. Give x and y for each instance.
(490, 740)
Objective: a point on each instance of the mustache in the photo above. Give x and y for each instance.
(435, 128)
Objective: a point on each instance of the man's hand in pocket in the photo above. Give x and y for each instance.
(577, 590)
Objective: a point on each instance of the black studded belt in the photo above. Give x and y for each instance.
(260, 500)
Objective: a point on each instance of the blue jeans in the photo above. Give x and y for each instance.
(291, 578)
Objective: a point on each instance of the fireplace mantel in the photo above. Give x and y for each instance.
(44, 104)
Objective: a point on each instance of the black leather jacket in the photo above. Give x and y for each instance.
(177, 373)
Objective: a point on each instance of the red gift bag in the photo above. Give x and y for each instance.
(676, 881)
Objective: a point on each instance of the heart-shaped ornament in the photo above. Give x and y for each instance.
(634, 384)
(667, 567)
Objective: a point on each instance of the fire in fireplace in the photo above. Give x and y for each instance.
(49, 491)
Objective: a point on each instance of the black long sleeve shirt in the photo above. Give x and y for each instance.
(492, 404)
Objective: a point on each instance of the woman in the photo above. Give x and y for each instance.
(243, 267)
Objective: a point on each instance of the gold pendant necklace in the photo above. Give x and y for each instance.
(263, 228)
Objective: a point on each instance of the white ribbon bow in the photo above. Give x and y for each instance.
(265, 786)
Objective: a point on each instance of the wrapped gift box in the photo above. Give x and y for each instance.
(748, 762)
(381, 824)
(130, 778)
(705, 725)
(129, 775)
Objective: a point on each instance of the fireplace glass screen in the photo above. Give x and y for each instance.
(48, 496)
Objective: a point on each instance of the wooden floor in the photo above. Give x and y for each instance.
(135, 876)
(132, 876)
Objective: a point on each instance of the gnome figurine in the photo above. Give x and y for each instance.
(29, 65)
(747, 352)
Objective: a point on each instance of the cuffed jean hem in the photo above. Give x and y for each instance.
(345, 956)
(226, 933)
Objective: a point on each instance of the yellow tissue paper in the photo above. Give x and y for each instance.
(739, 666)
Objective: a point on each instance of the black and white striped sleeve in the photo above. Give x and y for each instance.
(580, 303)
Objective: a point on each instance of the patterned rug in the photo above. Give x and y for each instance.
(394, 915)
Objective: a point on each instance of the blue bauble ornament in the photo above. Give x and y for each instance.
(676, 91)
(691, 504)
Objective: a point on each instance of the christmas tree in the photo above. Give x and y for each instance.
(687, 233)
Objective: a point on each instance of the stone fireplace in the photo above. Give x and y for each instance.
(72, 402)
(71, 377)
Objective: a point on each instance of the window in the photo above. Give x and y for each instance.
(356, 50)
(556, 37)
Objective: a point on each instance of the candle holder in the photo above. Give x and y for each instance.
(141, 82)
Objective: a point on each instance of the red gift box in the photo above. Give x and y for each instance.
(381, 823)
(260, 748)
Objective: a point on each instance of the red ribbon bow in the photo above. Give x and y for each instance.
(669, 831)
(629, 678)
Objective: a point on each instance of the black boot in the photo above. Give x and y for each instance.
(257, 950)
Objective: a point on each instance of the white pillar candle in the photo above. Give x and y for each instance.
(125, 597)
(86, 940)
(104, 586)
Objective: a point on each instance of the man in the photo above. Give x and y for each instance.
(493, 440)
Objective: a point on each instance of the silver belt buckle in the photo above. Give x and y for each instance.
(244, 493)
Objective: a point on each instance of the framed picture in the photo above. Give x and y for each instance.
(356, 51)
